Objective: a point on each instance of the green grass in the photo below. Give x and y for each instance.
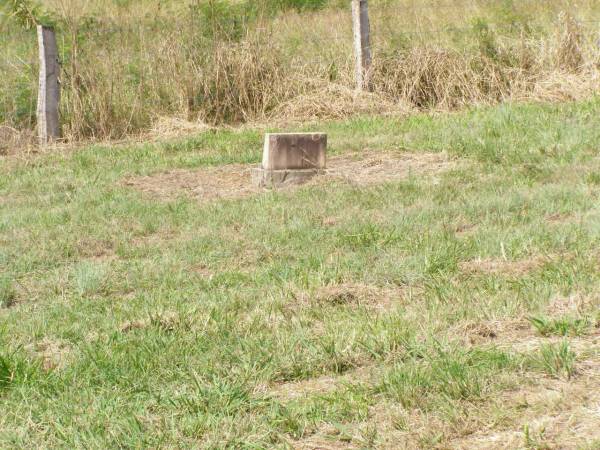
(563, 326)
(111, 336)
(557, 360)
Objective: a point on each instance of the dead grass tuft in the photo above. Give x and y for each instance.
(559, 218)
(481, 332)
(502, 266)
(328, 101)
(329, 221)
(203, 271)
(343, 294)
(166, 321)
(14, 141)
(169, 127)
(433, 77)
(54, 353)
(96, 249)
(576, 304)
(320, 385)
(570, 56)
(355, 295)
(465, 229)
(496, 332)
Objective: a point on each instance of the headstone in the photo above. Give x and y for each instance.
(291, 158)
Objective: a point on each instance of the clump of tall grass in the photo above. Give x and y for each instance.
(498, 68)
(218, 63)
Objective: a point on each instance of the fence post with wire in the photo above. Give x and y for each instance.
(362, 45)
(49, 88)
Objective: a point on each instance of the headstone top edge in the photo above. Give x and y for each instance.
(311, 133)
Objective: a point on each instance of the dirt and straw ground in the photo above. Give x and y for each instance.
(438, 288)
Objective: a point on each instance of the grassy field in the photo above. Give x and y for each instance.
(453, 306)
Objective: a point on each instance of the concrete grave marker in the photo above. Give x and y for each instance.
(291, 158)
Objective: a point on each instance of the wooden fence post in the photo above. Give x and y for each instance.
(49, 88)
(362, 47)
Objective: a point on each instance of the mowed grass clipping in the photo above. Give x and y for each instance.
(447, 308)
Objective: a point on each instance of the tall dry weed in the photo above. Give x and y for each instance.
(122, 78)
(569, 51)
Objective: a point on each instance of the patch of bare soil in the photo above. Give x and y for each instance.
(327, 438)
(222, 182)
(355, 294)
(320, 385)
(575, 304)
(234, 181)
(53, 353)
(378, 167)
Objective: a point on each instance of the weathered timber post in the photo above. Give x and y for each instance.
(49, 88)
(362, 46)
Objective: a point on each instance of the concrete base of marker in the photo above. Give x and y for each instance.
(274, 178)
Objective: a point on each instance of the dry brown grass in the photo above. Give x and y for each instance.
(355, 295)
(367, 167)
(502, 267)
(165, 320)
(320, 385)
(327, 100)
(223, 182)
(14, 141)
(233, 181)
(559, 67)
(124, 75)
(556, 414)
(53, 353)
